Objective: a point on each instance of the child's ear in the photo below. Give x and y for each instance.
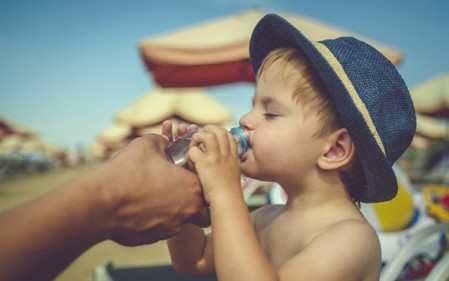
(338, 151)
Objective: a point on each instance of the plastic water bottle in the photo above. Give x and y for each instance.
(177, 150)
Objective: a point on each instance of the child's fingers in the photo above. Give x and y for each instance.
(194, 154)
(225, 140)
(232, 144)
(206, 140)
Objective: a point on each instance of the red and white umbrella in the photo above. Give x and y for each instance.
(215, 52)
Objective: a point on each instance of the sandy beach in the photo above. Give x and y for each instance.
(14, 191)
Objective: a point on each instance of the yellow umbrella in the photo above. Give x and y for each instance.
(431, 100)
(191, 104)
(432, 127)
(432, 95)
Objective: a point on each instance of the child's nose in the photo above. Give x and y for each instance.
(246, 121)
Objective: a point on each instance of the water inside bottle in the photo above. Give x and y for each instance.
(177, 150)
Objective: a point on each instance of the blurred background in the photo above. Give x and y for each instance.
(79, 79)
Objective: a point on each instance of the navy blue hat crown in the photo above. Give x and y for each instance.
(372, 99)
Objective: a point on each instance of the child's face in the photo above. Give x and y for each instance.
(283, 132)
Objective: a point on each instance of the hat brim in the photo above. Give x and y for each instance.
(273, 32)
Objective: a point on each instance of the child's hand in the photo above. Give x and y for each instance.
(215, 157)
(167, 130)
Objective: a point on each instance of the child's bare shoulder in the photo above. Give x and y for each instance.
(354, 237)
(354, 242)
(358, 229)
(345, 250)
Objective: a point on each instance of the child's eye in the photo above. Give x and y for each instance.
(269, 115)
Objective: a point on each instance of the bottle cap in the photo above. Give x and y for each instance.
(239, 131)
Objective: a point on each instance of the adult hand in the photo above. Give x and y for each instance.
(154, 196)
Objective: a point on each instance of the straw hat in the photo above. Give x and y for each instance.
(370, 96)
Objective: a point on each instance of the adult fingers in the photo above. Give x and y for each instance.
(167, 130)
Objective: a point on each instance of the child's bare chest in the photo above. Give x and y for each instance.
(282, 239)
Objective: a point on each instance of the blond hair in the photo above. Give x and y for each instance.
(310, 89)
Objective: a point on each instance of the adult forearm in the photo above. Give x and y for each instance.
(38, 240)
(128, 199)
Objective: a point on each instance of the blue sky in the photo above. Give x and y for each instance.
(67, 67)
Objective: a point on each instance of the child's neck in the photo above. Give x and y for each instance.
(315, 198)
(324, 189)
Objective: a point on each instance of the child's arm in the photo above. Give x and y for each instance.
(191, 251)
(237, 253)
